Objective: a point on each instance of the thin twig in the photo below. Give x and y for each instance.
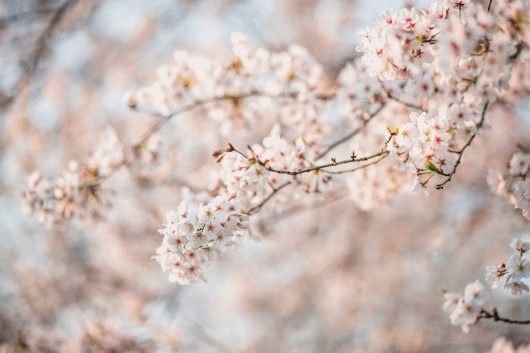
(398, 100)
(41, 49)
(270, 196)
(187, 108)
(350, 135)
(198, 103)
(494, 315)
(334, 163)
(383, 153)
(462, 150)
(360, 167)
(300, 208)
(322, 166)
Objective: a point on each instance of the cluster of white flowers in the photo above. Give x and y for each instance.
(444, 40)
(193, 235)
(251, 72)
(467, 309)
(455, 58)
(514, 185)
(512, 273)
(76, 193)
(464, 310)
(258, 171)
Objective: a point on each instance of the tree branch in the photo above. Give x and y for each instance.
(265, 200)
(360, 167)
(383, 153)
(494, 315)
(42, 47)
(460, 152)
(350, 135)
(201, 102)
(323, 166)
(398, 100)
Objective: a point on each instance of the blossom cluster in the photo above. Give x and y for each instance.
(77, 192)
(254, 175)
(512, 273)
(445, 39)
(455, 58)
(464, 309)
(251, 72)
(467, 309)
(514, 184)
(194, 234)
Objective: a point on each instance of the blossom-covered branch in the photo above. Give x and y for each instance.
(421, 90)
(468, 309)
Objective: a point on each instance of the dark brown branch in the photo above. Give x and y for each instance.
(494, 315)
(489, 5)
(462, 150)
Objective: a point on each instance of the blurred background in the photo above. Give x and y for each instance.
(329, 278)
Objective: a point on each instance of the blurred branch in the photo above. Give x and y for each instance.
(42, 46)
(11, 19)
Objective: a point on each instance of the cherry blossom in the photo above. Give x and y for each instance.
(464, 310)
(195, 234)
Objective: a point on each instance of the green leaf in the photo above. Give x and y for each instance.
(432, 167)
